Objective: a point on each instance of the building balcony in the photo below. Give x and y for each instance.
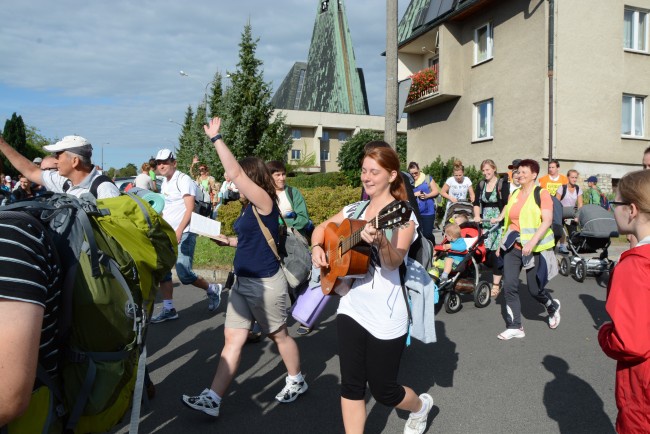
(426, 90)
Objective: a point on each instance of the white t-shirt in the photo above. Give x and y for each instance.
(143, 180)
(174, 190)
(376, 301)
(459, 191)
(53, 181)
(283, 202)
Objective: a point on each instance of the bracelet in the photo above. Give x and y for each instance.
(215, 138)
(318, 245)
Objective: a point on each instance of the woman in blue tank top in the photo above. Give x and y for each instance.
(260, 290)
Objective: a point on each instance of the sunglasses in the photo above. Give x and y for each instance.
(615, 203)
(202, 169)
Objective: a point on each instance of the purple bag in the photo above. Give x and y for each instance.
(310, 305)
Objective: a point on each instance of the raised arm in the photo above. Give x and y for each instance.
(254, 193)
(22, 164)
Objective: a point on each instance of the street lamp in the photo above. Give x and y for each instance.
(205, 92)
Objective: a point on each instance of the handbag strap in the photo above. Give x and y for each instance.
(267, 233)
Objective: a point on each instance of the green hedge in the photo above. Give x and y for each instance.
(331, 179)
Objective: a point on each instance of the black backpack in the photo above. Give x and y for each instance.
(558, 224)
(564, 190)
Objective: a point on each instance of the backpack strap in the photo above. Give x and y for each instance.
(564, 190)
(360, 208)
(407, 300)
(537, 193)
(290, 194)
(96, 183)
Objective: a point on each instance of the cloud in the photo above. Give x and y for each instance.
(110, 70)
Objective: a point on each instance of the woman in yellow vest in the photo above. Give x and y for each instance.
(528, 242)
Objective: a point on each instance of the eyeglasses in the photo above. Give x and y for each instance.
(615, 203)
(159, 162)
(202, 169)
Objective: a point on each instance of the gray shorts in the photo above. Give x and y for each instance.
(261, 299)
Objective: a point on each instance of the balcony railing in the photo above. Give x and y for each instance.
(423, 84)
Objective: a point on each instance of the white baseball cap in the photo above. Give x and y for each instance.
(75, 144)
(37, 160)
(165, 154)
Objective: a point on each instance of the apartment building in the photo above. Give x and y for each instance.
(561, 79)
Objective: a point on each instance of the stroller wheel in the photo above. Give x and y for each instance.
(452, 302)
(482, 294)
(580, 271)
(564, 266)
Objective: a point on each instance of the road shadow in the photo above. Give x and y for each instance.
(572, 402)
(596, 309)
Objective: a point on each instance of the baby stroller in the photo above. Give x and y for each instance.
(596, 226)
(466, 277)
(458, 208)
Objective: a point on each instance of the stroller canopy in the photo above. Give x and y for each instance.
(597, 222)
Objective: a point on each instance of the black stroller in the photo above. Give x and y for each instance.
(596, 226)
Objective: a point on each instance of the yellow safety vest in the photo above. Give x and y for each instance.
(530, 219)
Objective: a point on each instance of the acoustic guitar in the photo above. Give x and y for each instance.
(347, 254)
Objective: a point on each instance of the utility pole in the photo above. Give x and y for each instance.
(390, 112)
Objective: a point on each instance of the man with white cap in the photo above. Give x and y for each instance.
(76, 174)
(179, 191)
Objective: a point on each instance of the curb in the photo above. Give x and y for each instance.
(213, 276)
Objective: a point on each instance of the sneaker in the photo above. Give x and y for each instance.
(202, 402)
(291, 390)
(562, 249)
(214, 296)
(554, 320)
(164, 315)
(508, 334)
(417, 424)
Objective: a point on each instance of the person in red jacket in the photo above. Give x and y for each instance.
(626, 338)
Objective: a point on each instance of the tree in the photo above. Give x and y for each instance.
(247, 128)
(15, 135)
(351, 152)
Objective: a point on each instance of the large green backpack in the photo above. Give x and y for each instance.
(114, 252)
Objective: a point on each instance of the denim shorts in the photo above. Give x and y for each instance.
(184, 260)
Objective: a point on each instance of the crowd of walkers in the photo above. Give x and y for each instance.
(372, 322)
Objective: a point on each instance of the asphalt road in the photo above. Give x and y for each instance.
(550, 381)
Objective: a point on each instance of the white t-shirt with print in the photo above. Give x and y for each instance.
(376, 301)
(459, 191)
(174, 190)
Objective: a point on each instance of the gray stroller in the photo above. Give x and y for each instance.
(596, 227)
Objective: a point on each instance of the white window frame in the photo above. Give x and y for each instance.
(295, 154)
(296, 134)
(489, 49)
(634, 43)
(489, 133)
(633, 115)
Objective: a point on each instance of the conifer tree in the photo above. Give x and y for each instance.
(14, 134)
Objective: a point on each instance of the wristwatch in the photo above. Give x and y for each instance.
(215, 138)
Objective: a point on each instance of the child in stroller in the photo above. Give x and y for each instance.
(465, 277)
(596, 226)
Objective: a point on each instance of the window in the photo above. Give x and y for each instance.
(324, 154)
(484, 119)
(343, 136)
(295, 154)
(483, 43)
(635, 30)
(632, 119)
(296, 134)
(325, 137)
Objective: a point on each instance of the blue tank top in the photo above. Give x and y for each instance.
(426, 206)
(254, 257)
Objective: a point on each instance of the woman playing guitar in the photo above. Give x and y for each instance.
(372, 314)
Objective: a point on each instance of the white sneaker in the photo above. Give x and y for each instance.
(291, 390)
(554, 320)
(508, 334)
(417, 424)
(202, 402)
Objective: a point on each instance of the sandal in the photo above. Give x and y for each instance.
(303, 330)
(496, 290)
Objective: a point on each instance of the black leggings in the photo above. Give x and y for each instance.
(494, 262)
(365, 359)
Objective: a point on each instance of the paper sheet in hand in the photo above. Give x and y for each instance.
(204, 226)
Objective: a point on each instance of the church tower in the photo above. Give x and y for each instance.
(330, 80)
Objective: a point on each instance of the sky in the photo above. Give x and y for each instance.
(110, 70)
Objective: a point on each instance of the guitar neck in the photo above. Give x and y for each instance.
(355, 238)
